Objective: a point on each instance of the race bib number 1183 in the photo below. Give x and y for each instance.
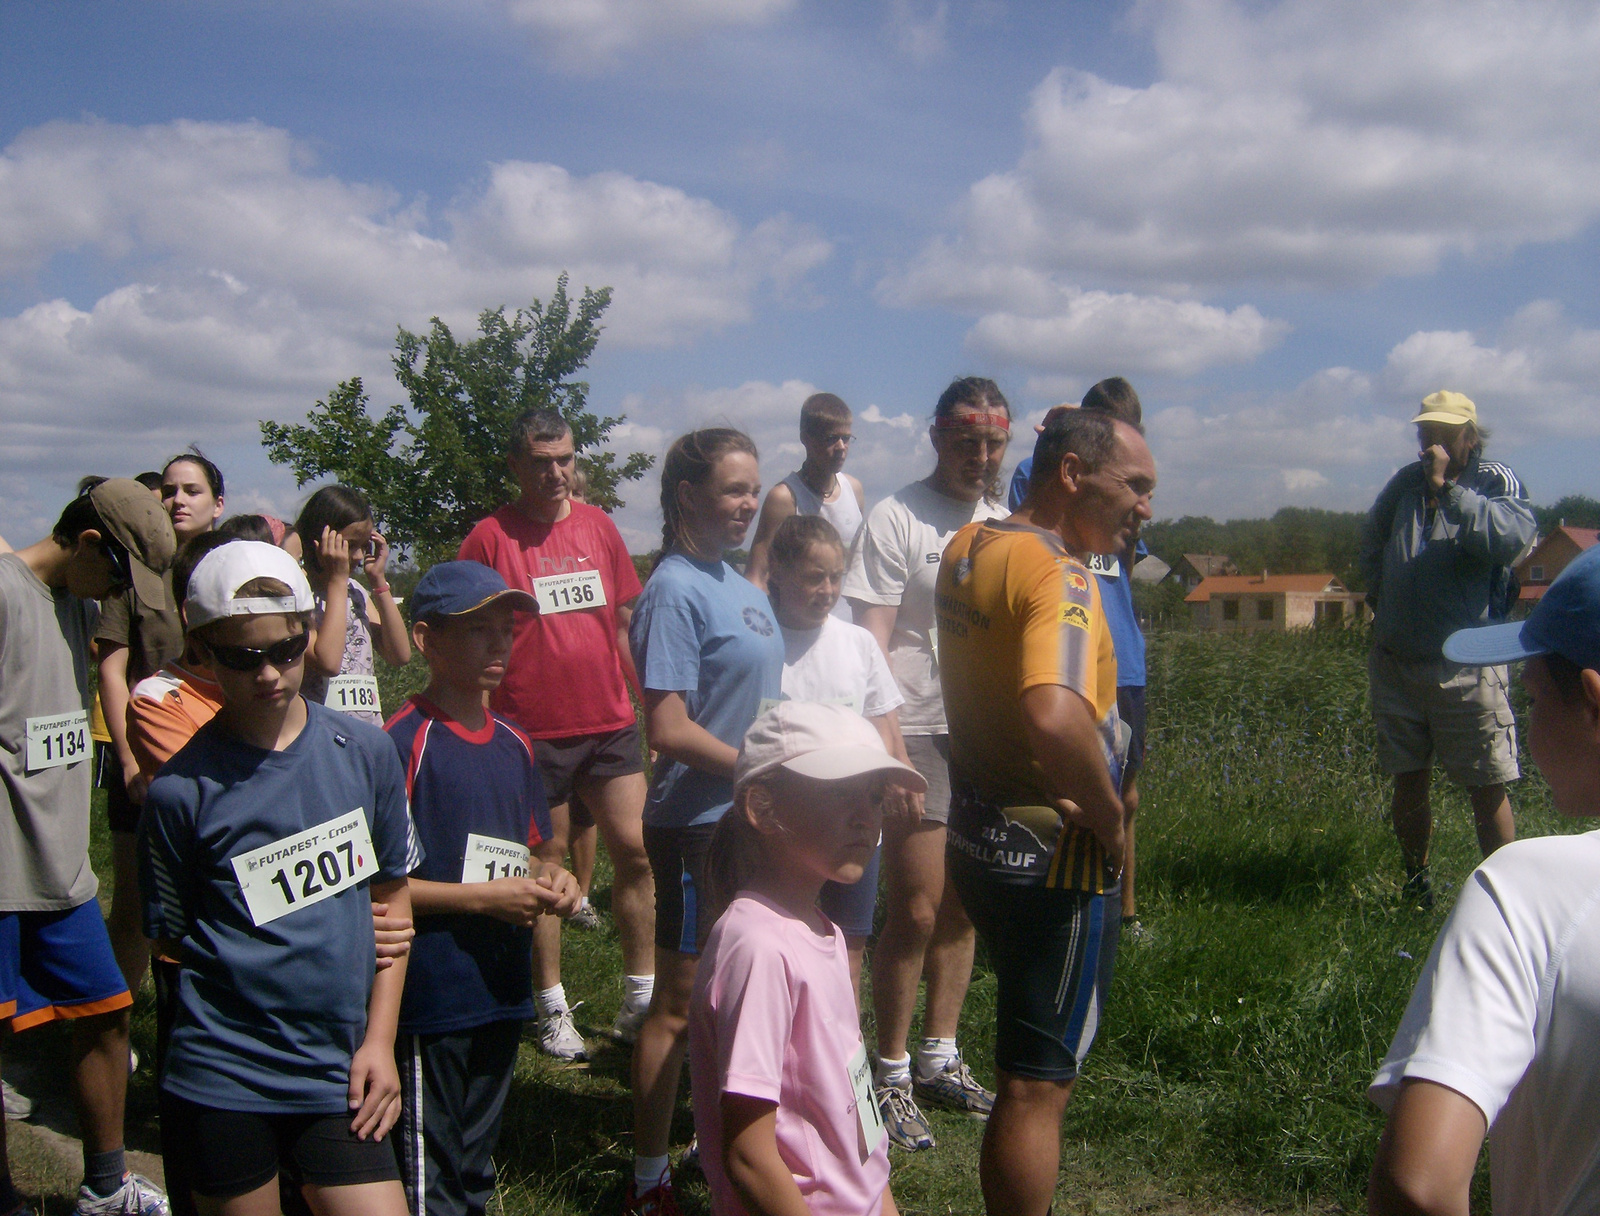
(353, 694)
(306, 868)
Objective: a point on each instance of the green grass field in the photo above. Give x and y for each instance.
(1239, 1038)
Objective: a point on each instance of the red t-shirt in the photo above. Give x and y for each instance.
(565, 677)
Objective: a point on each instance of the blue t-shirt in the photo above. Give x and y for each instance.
(1116, 595)
(702, 629)
(269, 1015)
(467, 970)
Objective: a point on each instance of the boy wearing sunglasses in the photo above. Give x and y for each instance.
(56, 961)
(265, 841)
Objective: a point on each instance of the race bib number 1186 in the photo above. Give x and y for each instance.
(306, 868)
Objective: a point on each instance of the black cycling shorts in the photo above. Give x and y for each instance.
(234, 1152)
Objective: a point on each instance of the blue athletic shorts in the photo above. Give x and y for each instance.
(1052, 952)
(851, 905)
(57, 965)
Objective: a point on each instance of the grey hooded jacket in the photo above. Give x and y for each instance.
(1430, 572)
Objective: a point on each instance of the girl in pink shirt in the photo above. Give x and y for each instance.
(783, 1098)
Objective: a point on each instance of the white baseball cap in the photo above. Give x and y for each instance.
(824, 742)
(217, 577)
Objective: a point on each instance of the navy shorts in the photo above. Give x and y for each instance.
(851, 905)
(1052, 952)
(57, 965)
(1131, 709)
(233, 1152)
(678, 861)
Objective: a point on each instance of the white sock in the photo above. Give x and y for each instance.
(894, 1072)
(552, 1001)
(583, 903)
(647, 1173)
(934, 1055)
(637, 990)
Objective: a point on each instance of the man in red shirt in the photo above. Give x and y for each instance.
(567, 687)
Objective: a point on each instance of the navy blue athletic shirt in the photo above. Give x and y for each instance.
(270, 1014)
(467, 970)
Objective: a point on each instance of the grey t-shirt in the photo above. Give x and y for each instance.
(44, 830)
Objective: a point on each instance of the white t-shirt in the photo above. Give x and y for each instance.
(838, 664)
(896, 561)
(1507, 1014)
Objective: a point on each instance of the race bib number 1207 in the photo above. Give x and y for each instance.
(306, 868)
(57, 740)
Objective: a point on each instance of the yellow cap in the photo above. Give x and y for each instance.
(1452, 409)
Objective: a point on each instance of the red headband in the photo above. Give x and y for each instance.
(951, 421)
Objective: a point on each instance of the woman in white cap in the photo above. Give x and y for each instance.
(779, 1068)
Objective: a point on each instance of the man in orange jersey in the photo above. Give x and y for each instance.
(1036, 751)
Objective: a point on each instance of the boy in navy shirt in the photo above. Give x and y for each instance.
(264, 842)
(480, 811)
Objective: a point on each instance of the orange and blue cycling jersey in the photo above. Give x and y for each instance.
(1017, 611)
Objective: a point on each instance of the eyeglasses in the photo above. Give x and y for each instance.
(244, 659)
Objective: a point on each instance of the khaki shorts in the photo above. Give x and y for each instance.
(1427, 709)
(930, 756)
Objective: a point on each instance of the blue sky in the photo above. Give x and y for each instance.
(1284, 222)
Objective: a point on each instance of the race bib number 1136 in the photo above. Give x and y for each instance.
(306, 868)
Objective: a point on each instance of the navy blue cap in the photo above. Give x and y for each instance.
(452, 588)
(1565, 622)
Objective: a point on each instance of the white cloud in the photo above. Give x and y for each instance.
(918, 31)
(1127, 333)
(256, 283)
(1293, 145)
(1537, 376)
(595, 32)
(1303, 143)
(1333, 440)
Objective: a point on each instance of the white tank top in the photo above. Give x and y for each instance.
(844, 512)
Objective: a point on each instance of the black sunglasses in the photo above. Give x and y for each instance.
(244, 659)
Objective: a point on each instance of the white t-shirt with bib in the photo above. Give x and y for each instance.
(896, 562)
(1507, 1014)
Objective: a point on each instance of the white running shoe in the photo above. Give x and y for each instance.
(559, 1037)
(625, 1029)
(137, 1197)
(18, 1105)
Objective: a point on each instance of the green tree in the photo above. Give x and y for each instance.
(1575, 510)
(435, 466)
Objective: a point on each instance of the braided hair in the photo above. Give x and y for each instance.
(691, 458)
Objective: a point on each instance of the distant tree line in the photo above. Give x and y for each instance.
(1301, 540)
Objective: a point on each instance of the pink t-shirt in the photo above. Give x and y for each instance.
(565, 677)
(774, 1017)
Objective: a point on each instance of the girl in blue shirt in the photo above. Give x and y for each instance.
(708, 652)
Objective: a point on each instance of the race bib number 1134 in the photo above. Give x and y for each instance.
(306, 868)
(56, 741)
